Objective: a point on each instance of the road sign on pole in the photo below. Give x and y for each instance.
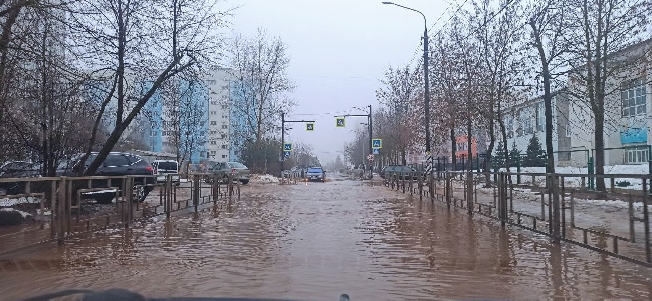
(377, 143)
(287, 154)
(340, 122)
(287, 147)
(310, 126)
(376, 151)
(370, 157)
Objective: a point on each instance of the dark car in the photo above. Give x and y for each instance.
(398, 172)
(316, 174)
(236, 169)
(17, 169)
(115, 164)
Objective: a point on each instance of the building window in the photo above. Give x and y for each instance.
(224, 146)
(526, 121)
(224, 126)
(213, 122)
(568, 131)
(223, 156)
(213, 102)
(509, 126)
(224, 136)
(225, 87)
(225, 116)
(213, 112)
(213, 142)
(541, 117)
(636, 155)
(224, 107)
(213, 153)
(633, 98)
(153, 133)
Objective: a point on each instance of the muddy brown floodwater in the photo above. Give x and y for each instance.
(316, 241)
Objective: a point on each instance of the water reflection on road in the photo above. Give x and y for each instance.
(315, 241)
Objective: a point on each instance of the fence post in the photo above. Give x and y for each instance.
(502, 200)
(60, 209)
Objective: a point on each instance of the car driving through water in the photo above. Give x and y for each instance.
(316, 174)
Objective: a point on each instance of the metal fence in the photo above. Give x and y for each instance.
(63, 207)
(561, 206)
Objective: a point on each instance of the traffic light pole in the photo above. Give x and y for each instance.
(283, 122)
(371, 166)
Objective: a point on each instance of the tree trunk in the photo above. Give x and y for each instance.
(469, 143)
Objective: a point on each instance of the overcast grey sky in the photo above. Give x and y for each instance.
(339, 51)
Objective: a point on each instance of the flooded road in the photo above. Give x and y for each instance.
(316, 241)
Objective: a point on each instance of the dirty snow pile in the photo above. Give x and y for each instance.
(265, 178)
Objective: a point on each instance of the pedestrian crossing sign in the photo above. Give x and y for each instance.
(310, 126)
(377, 143)
(287, 147)
(340, 122)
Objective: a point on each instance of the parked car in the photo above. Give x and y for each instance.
(17, 169)
(398, 172)
(316, 174)
(162, 168)
(115, 164)
(224, 169)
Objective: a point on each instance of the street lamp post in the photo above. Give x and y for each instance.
(425, 74)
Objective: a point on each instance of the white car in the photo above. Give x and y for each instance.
(162, 168)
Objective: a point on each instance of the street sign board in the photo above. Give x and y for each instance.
(287, 147)
(377, 143)
(340, 122)
(370, 157)
(310, 126)
(376, 151)
(287, 154)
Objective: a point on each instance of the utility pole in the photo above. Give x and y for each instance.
(426, 83)
(371, 146)
(370, 126)
(282, 141)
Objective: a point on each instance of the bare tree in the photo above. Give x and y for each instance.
(260, 69)
(499, 32)
(146, 42)
(401, 88)
(606, 27)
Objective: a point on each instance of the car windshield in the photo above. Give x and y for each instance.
(315, 170)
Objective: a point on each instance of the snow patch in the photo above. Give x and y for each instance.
(7, 202)
(22, 213)
(265, 178)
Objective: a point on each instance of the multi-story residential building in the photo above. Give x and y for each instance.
(193, 117)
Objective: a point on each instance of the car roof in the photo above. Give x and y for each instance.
(165, 161)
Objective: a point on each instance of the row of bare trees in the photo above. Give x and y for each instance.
(502, 52)
(75, 75)
(92, 75)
